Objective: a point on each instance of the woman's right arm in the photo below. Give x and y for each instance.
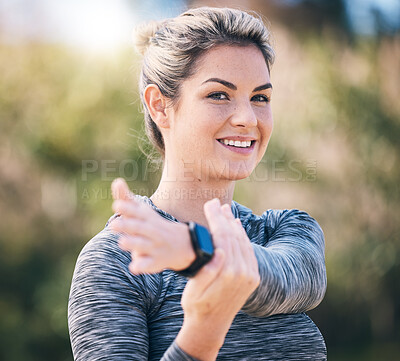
(107, 306)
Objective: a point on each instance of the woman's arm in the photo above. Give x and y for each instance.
(291, 264)
(107, 306)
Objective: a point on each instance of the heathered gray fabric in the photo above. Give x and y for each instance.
(114, 315)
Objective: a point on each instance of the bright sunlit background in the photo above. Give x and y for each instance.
(103, 25)
(93, 25)
(70, 123)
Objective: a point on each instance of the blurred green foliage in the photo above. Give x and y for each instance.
(70, 122)
(58, 108)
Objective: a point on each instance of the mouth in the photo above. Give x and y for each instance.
(244, 147)
(237, 143)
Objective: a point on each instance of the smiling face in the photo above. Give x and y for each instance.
(221, 125)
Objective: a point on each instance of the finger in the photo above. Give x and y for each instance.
(224, 280)
(207, 274)
(246, 247)
(134, 226)
(227, 212)
(132, 208)
(142, 264)
(220, 227)
(242, 240)
(114, 225)
(237, 224)
(216, 220)
(234, 233)
(120, 189)
(136, 243)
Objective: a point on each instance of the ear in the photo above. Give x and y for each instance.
(156, 104)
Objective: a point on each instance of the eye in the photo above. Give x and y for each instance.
(218, 96)
(261, 98)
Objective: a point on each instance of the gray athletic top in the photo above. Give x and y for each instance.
(115, 315)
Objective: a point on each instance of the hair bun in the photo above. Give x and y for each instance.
(143, 34)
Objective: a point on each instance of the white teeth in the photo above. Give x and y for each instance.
(237, 143)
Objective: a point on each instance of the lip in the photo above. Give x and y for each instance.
(238, 137)
(244, 151)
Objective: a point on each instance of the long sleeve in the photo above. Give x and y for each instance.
(289, 246)
(108, 306)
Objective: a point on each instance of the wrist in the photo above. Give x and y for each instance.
(203, 247)
(201, 339)
(186, 252)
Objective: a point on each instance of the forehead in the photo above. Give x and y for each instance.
(234, 63)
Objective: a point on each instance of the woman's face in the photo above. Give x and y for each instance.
(221, 125)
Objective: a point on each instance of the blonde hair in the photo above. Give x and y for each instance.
(171, 48)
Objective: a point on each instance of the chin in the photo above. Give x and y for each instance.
(238, 174)
(228, 170)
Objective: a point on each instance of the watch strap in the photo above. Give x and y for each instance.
(201, 257)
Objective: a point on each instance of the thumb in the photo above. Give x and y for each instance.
(120, 190)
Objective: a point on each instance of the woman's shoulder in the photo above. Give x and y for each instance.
(102, 260)
(103, 247)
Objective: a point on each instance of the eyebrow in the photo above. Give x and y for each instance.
(223, 82)
(263, 87)
(234, 87)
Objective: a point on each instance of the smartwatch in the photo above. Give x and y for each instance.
(203, 248)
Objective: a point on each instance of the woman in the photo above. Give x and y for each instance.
(150, 287)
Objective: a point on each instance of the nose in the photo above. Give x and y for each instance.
(244, 115)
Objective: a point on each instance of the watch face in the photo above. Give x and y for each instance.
(204, 239)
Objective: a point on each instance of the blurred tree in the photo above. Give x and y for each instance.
(301, 16)
(58, 108)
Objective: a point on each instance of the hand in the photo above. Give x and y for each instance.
(238, 276)
(213, 297)
(154, 242)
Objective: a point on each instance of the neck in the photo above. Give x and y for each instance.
(185, 199)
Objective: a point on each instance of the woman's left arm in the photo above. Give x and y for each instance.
(291, 264)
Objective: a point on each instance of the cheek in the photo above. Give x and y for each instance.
(208, 120)
(211, 117)
(270, 126)
(266, 124)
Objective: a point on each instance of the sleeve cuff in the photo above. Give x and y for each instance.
(175, 353)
